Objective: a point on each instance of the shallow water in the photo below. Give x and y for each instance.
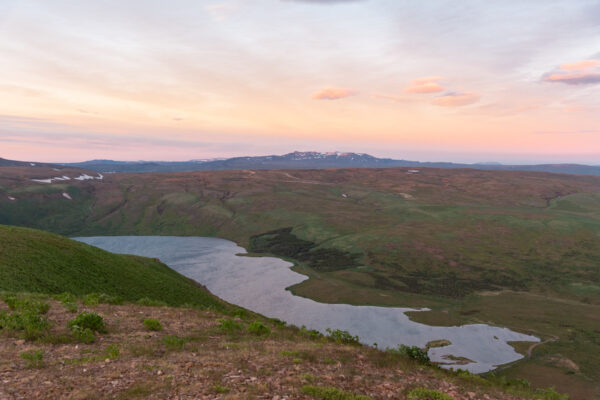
(258, 284)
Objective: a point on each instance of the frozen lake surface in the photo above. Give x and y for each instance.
(258, 284)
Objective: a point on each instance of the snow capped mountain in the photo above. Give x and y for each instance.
(313, 155)
(307, 160)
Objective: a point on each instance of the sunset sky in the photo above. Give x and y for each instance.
(465, 81)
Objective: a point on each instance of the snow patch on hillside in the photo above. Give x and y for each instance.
(82, 177)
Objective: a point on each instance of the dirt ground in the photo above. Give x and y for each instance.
(193, 358)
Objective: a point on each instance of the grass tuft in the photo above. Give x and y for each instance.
(33, 358)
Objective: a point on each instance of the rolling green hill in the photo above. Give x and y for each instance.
(36, 261)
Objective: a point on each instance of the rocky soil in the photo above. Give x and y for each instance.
(195, 357)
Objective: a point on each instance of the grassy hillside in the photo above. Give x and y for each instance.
(36, 261)
(518, 249)
(139, 352)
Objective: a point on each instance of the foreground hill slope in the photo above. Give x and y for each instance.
(36, 261)
(198, 354)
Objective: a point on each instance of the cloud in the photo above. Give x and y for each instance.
(325, 1)
(580, 65)
(333, 94)
(456, 99)
(427, 84)
(585, 72)
(572, 132)
(397, 99)
(221, 11)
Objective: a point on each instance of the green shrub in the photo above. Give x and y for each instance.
(33, 358)
(416, 353)
(174, 342)
(257, 328)
(152, 324)
(26, 303)
(427, 394)
(66, 297)
(88, 320)
(229, 326)
(340, 336)
(84, 335)
(277, 322)
(92, 299)
(310, 333)
(239, 313)
(145, 301)
(550, 394)
(32, 325)
(331, 393)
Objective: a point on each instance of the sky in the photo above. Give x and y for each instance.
(464, 81)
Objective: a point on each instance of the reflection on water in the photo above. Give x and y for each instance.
(258, 283)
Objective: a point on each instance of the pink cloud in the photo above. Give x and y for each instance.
(427, 84)
(578, 78)
(577, 73)
(333, 94)
(397, 99)
(580, 65)
(456, 99)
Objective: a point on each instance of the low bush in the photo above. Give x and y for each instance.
(66, 297)
(258, 328)
(32, 325)
(332, 393)
(229, 326)
(550, 394)
(427, 394)
(310, 333)
(88, 320)
(413, 352)
(340, 336)
(239, 313)
(84, 335)
(26, 303)
(152, 324)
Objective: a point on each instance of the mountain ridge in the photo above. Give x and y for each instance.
(316, 160)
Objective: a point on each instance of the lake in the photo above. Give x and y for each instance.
(258, 284)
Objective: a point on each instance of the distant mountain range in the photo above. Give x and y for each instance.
(301, 160)
(13, 163)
